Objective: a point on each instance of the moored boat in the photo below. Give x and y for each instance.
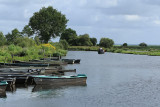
(69, 61)
(60, 80)
(77, 60)
(100, 51)
(9, 80)
(20, 78)
(22, 65)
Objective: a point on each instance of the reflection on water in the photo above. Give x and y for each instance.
(114, 80)
(3, 95)
(47, 91)
(11, 88)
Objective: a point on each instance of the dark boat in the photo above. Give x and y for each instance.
(77, 60)
(50, 62)
(100, 51)
(23, 65)
(60, 80)
(68, 70)
(3, 85)
(9, 80)
(20, 79)
(69, 61)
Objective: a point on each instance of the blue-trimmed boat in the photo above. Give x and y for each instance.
(60, 80)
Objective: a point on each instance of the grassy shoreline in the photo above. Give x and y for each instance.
(136, 50)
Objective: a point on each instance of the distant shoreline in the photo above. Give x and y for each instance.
(151, 50)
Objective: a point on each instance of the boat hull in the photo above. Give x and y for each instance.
(60, 81)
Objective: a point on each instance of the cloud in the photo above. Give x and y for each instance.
(116, 19)
(132, 17)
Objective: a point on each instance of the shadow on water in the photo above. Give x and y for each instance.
(48, 91)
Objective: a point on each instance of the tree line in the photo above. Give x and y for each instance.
(46, 24)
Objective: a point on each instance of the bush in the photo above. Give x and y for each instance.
(125, 45)
(65, 44)
(143, 44)
(106, 42)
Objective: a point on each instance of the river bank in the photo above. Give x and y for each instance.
(136, 50)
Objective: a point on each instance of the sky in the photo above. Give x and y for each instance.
(124, 21)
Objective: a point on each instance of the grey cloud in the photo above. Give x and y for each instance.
(99, 18)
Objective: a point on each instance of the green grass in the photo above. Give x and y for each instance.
(137, 50)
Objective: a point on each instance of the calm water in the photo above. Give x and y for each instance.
(114, 80)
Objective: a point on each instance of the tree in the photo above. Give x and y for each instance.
(70, 36)
(143, 44)
(64, 43)
(84, 40)
(106, 42)
(27, 31)
(11, 37)
(24, 42)
(94, 41)
(125, 45)
(36, 39)
(2, 39)
(47, 23)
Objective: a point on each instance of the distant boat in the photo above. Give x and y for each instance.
(60, 80)
(3, 85)
(101, 51)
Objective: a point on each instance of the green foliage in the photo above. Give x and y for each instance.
(47, 23)
(24, 42)
(65, 44)
(84, 40)
(11, 37)
(14, 49)
(143, 44)
(2, 39)
(125, 45)
(57, 45)
(106, 42)
(37, 41)
(94, 41)
(27, 31)
(84, 48)
(70, 36)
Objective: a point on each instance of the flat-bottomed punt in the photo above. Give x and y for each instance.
(60, 80)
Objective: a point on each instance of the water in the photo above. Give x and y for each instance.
(114, 80)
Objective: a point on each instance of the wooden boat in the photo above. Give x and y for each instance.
(23, 65)
(60, 80)
(50, 62)
(77, 60)
(100, 51)
(9, 80)
(58, 71)
(3, 85)
(69, 61)
(69, 70)
(20, 79)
